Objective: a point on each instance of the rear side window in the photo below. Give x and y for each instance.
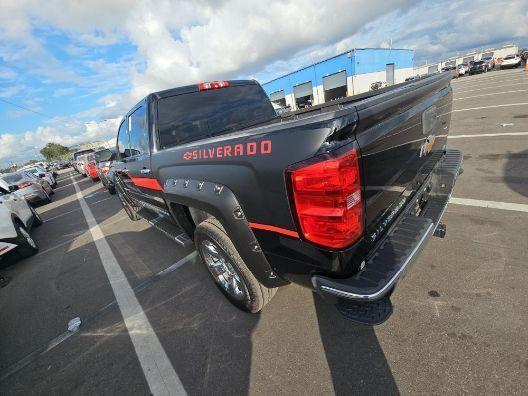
(138, 133)
(12, 179)
(123, 145)
(189, 117)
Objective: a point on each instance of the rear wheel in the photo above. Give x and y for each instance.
(130, 209)
(26, 245)
(230, 273)
(47, 198)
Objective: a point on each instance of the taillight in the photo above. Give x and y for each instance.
(213, 85)
(25, 184)
(327, 198)
(104, 170)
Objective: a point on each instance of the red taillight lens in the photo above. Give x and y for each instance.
(104, 170)
(327, 197)
(213, 85)
(24, 184)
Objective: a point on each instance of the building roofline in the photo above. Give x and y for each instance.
(335, 56)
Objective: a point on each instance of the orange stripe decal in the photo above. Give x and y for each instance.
(274, 229)
(146, 182)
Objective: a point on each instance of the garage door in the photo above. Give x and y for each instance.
(304, 89)
(432, 69)
(335, 80)
(277, 96)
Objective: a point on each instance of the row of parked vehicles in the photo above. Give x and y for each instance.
(484, 65)
(20, 191)
(96, 164)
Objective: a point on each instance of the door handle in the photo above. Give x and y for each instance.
(145, 171)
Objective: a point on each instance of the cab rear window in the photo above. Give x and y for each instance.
(194, 116)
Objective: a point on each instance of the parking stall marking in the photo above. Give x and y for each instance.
(488, 135)
(157, 368)
(488, 107)
(491, 94)
(489, 87)
(490, 204)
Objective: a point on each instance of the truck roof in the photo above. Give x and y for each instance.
(194, 88)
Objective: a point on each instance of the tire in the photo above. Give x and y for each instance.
(111, 190)
(47, 198)
(37, 220)
(254, 295)
(130, 209)
(26, 245)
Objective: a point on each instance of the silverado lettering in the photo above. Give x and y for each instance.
(250, 148)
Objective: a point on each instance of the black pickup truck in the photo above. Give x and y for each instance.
(340, 197)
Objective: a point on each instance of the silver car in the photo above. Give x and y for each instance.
(27, 186)
(42, 173)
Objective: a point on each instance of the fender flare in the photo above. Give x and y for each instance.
(219, 201)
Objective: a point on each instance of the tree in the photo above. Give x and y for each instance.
(54, 151)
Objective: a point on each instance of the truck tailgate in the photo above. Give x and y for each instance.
(401, 134)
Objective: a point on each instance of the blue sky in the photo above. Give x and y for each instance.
(80, 65)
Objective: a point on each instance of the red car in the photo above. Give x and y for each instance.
(91, 167)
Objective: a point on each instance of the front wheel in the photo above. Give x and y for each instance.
(230, 273)
(26, 245)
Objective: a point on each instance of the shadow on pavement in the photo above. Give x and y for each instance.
(357, 363)
(515, 172)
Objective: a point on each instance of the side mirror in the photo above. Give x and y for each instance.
(42, 175)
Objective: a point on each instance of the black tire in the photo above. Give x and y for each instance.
(26, 245)
(130, 209)
(111, 190)
(47, 199)
(37, 220)
(256, 295)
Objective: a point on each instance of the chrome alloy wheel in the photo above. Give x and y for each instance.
(28, 238)
(222, 270)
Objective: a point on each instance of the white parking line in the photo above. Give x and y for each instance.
(491, 94)
(488, 81)
(490, 204)
(158, 370)
(488, 135)
(490, 107)
(490, 87)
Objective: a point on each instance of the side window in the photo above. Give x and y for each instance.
(122, 141)
(138, 131)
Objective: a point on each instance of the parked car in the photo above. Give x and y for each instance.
(463, 69)
(105, 159)
(477, 67)
(510, 61)
(16, 220)
(91, 166)
(324, 197)
(81, 164)
(27, 187)
(453, 69)
(42, 173)
(75, 159)
(489, 62)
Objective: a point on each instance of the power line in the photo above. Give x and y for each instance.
(39, 113)
(26, 108)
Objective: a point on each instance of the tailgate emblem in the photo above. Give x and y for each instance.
(427, 146)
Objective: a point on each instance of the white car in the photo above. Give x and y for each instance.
(42, 173)
(511, 61)
(463, 69)
(16, 220)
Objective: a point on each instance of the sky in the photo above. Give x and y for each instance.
(69, 70)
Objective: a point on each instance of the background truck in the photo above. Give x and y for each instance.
(339, 197)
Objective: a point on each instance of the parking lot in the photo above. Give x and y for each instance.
(460, 323)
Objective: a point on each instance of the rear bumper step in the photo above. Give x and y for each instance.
(399, 249)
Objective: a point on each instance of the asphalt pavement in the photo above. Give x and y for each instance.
(460, 323)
